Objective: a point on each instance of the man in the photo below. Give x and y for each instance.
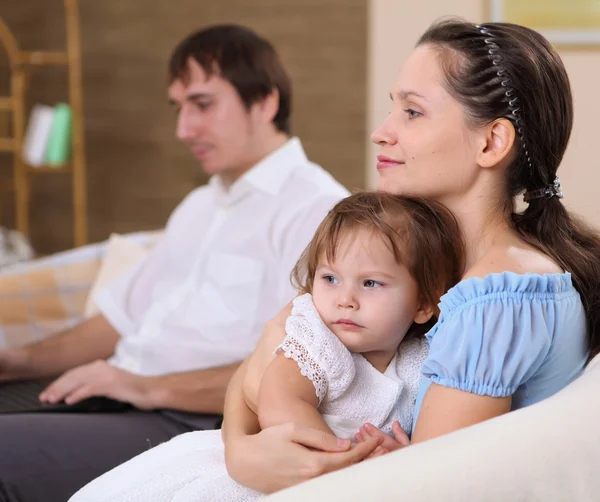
(173, 330)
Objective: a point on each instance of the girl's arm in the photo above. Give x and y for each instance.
(446, 410)
(245, 422)
(283, 455)
(286, 396)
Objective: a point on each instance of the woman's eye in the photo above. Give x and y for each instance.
(203, 106)
(412, 113)
(370, 283)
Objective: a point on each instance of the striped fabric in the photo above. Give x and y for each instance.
(45, 296)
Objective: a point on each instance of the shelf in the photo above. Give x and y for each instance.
(65, 168)
(22, 64)
(7, 145)
(43, 58)
(6, 103)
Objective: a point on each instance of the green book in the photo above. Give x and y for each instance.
(59, 144)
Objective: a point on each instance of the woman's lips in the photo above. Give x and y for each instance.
(384, 162)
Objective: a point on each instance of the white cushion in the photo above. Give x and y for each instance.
(546, 452)
(122, 254)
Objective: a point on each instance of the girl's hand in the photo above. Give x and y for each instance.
(388, 444)
(284, 455)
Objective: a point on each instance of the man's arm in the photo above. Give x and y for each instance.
(286, 396)
(201, 391)
(90, 340)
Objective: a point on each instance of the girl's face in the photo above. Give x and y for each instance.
(365, 297)
(427, 146)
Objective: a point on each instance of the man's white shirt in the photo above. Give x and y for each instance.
(202, 297)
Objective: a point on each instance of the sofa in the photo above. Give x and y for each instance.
(547, 452)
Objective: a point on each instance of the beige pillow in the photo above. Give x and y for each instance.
(547, 452)
(121, 255)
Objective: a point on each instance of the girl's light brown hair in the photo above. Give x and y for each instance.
(422, 234)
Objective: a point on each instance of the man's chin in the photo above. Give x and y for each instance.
(210, 168)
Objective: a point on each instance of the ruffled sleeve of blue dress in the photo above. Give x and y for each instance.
(519, 335)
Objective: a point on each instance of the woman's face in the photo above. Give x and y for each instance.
(427, 147)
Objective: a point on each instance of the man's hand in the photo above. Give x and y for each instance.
(99, 379)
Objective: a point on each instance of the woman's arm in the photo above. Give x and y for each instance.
(446, 410)
(287, 396)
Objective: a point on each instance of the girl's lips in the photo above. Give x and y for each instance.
(348, 324)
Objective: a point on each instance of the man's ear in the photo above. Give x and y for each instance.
(269, 106)
(496, 143)
(423, 315)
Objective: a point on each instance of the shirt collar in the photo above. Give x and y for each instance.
(269, 174)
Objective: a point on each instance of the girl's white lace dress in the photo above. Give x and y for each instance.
(191, 467)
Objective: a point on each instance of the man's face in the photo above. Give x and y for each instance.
(214, 123)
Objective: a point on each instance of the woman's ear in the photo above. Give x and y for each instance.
(497, 141)
(423, 315)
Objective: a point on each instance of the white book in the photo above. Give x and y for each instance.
(37, 135)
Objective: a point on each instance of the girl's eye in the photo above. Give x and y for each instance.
(330, 279)
(203, 106)
(412, 113)
(370, 283)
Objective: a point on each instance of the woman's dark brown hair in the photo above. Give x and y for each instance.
(501, 70)
(422, 234)
(243, 58)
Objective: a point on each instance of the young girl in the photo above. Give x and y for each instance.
(372, 277)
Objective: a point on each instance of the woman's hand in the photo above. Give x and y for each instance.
(288, 454)
(388, 444)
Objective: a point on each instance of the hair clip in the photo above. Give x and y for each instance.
(553, 190)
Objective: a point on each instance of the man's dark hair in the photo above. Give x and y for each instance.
(243, 58)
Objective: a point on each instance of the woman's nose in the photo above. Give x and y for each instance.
(384, 134)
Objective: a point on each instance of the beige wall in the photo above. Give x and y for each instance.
(394, 28)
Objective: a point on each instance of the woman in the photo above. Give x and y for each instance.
(480, 114)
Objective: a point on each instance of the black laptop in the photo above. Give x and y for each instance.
(23, 397)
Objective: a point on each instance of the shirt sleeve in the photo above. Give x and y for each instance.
(490, 347)
(321, 356)
(125, 299)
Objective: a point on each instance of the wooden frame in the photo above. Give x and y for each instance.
(22, 63)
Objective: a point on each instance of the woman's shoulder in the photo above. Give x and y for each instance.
(500, 287)
(509, 270)
(505, 320)
(519, 259)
